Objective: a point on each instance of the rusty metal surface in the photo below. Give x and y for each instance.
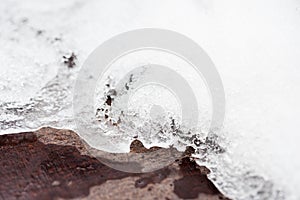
(54, 164)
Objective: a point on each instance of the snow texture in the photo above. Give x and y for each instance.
(255, 46)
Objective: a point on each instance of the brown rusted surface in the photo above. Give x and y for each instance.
(31, 169)
(54, 164)
(137, 146)
(196, 179)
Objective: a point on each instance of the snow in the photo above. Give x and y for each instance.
(255, 46)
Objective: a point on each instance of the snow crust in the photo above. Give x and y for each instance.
(255, 46)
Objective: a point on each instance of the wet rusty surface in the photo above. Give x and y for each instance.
(137, 146)
(154, 177)
(51, 164)
(33, 170)
(195, 178)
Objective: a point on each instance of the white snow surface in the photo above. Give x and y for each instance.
(255, 46)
